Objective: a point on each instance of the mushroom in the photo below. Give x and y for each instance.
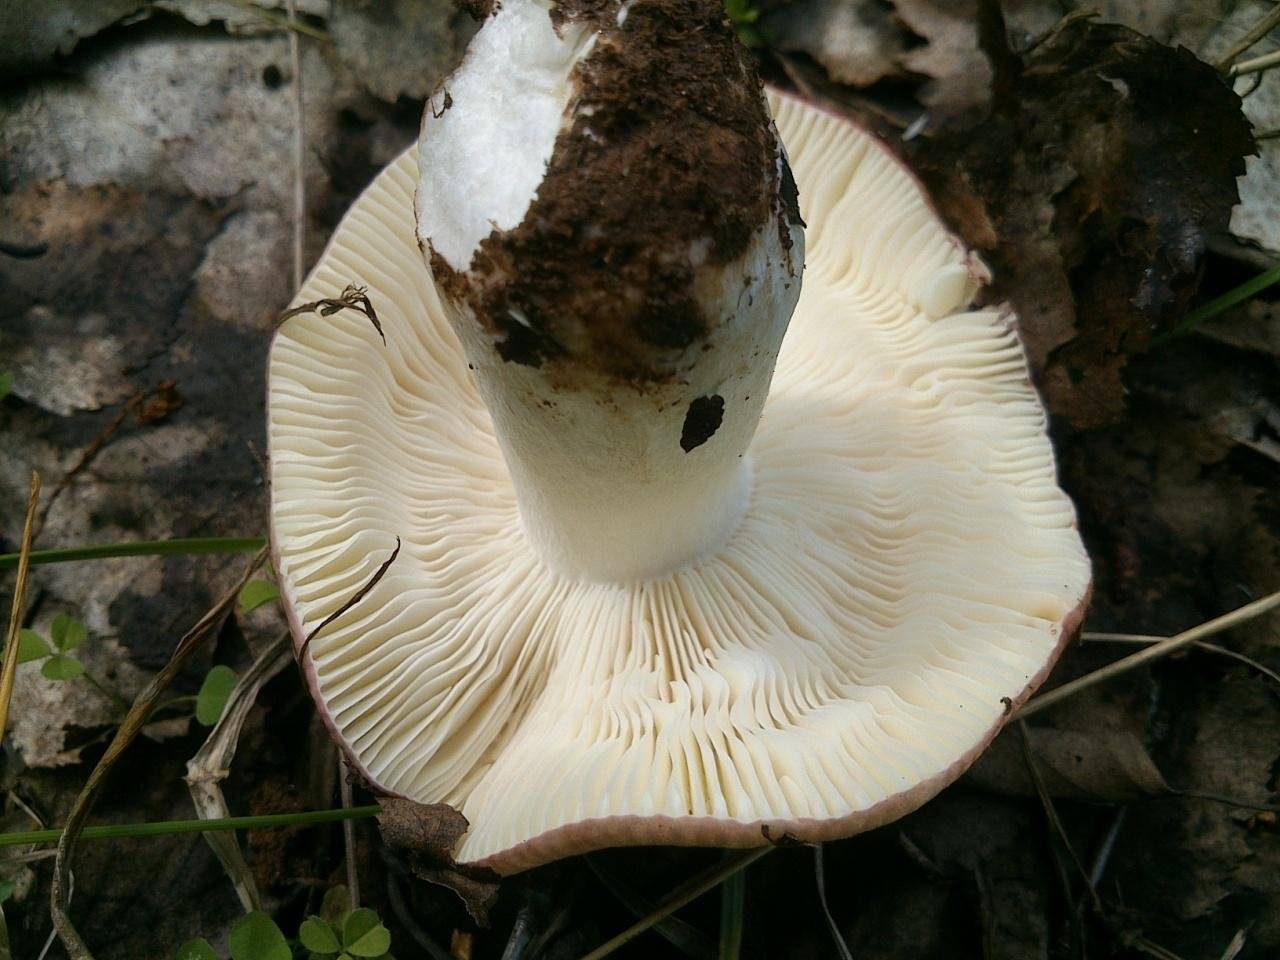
(665, 577)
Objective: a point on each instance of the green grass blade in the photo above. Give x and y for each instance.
(166, 828)
(733, 895)
(1207, 311)
(139, 548)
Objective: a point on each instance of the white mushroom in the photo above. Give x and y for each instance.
(810, 621)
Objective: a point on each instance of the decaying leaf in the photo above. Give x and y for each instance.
(33, 32)
(1257, 218)
(1092, 189)
(399, 47)
(1110, 766)
(426, 835)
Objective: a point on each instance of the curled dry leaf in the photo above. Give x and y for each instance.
(426, 835)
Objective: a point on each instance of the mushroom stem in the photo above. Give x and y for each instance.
(619, 482)
(623, 313)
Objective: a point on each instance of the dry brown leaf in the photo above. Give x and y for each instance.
(426, 835)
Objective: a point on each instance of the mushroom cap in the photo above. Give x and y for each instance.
(907, 570)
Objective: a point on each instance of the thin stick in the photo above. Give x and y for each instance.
(19, 598)
(128, 730)
(1256, 33)
(1152, 653)
(694, 888)
(138, 548)
(1221, 651)
(212, 764)
(299, 150)
(349, 836)
(171, 828)
(359, 595)
(1257, 64)
(820, 877)
(1051, 813)
(287, 22)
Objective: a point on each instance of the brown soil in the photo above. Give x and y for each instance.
(671, 142)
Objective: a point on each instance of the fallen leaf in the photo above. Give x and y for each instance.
(34, 32)
(1092, 189)
(399, 47)
(1110, 766)
(426, 835)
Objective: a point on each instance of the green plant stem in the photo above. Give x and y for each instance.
(140, 548)
(166, 828)
(733, 894)
(175, 702)
(121, 703)
(1207, 311)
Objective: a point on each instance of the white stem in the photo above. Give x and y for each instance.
(607, 490)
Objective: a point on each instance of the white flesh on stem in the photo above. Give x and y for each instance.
(906, 562)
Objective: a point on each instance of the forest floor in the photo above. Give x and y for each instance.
(147, 176)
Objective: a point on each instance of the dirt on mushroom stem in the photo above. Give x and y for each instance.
(669, 142)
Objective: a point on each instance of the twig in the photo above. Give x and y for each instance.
(212, 762)
(10, 668)
(1088, 13)
(1234, 947)
(1204, 645)
(351, 298)
(1256, 65)
(1219, 798)
(163, 397)
(409, 922)
(129, 729)
(359, 595)
(1103, 857)
(1256, 33)
(1051, 812)
(689, 891)
(288, 23)
(684, 936)
(348, 835)
(1151, 654)
(819, 873)
(299, 147)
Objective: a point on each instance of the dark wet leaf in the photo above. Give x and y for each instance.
(1092, 189)
(1110, 766)
(399, 47)
(34, 32)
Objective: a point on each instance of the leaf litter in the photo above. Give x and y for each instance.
(1171, 476)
